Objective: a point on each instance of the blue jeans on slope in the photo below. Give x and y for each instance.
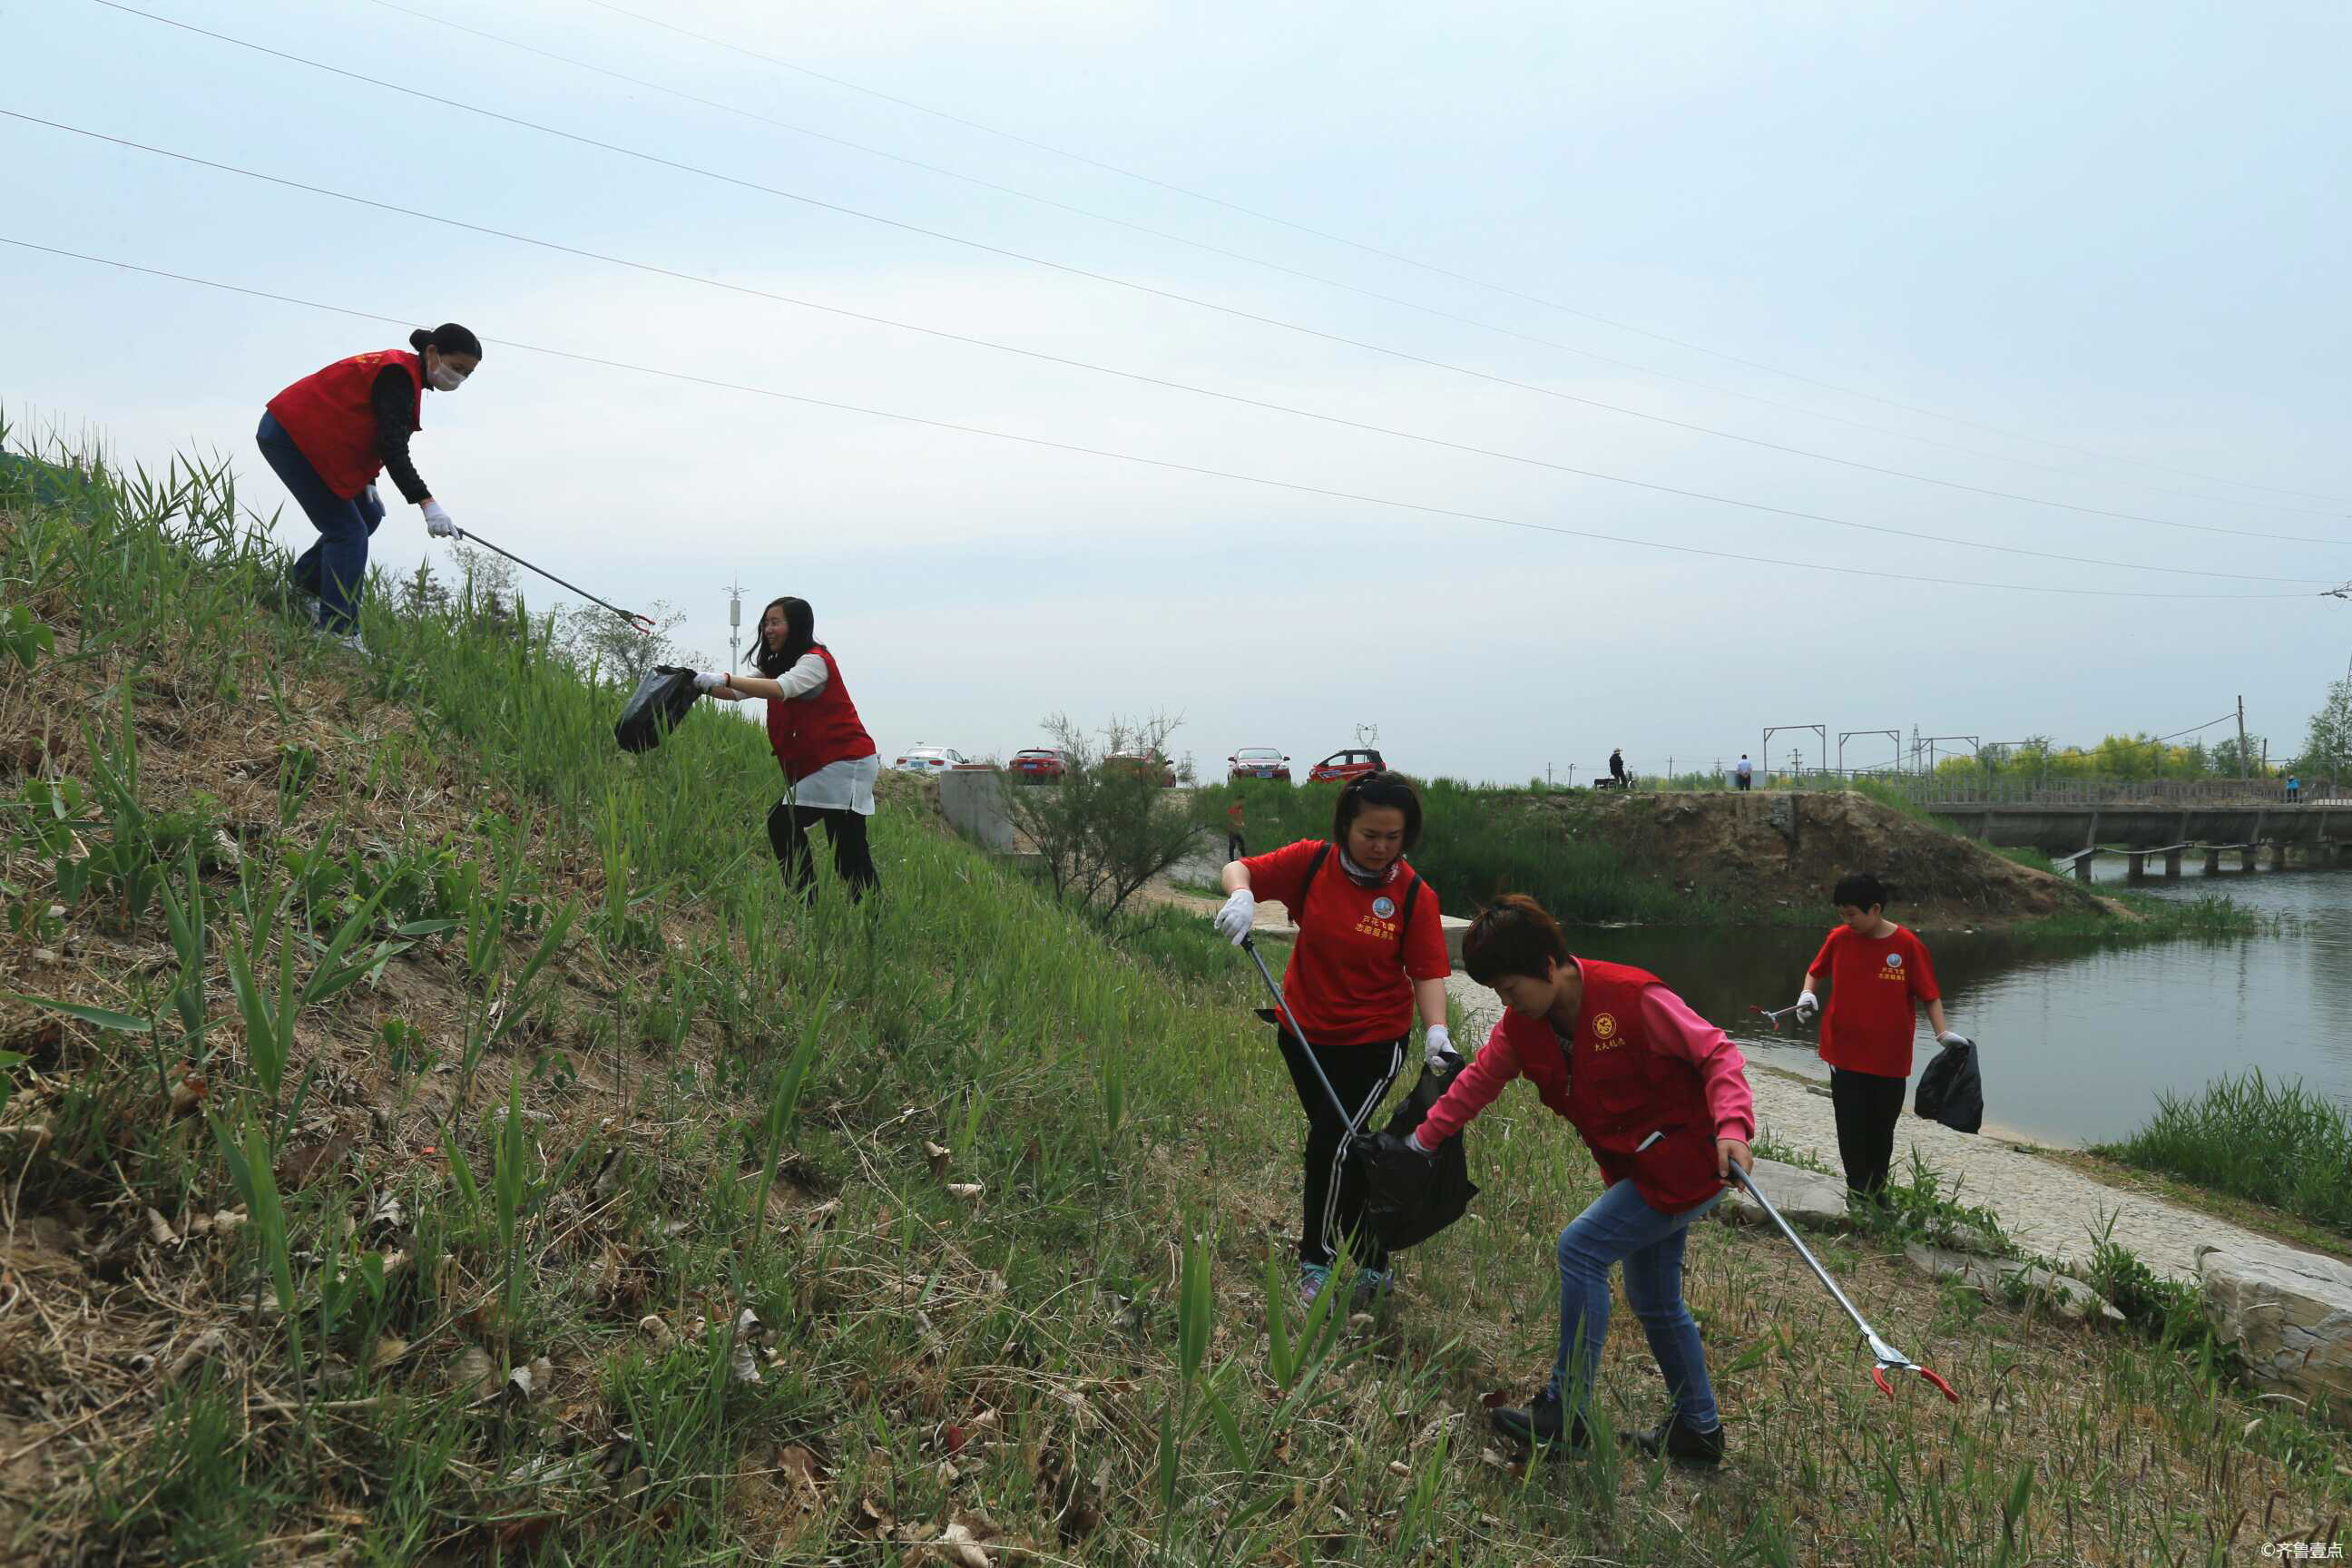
(1622, 1226)
(334, 570)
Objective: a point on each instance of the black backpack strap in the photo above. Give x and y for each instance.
(1313, 865)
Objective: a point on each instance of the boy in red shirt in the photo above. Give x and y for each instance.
(1371, 954)
(1878, 973)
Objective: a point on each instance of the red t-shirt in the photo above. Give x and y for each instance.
(1350, 979)
(1876, 985)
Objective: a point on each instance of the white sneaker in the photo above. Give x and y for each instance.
(348, 641)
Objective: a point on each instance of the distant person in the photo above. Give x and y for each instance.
(1617, 766)
(1661, 1097)
(1878, 972)
(829, 759)
(1745, 773)
(2294, 789)
(331, 433)
(1235, 849)
(1370, 953)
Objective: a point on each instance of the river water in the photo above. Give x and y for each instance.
(2076, 1040)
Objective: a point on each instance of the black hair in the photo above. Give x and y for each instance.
(1861, 889)
(1514, 935)
(800, 635)
(448, 337)
(1377, 789)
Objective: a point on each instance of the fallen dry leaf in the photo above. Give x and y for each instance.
(195, 1353)
(159, 1231)
(654, 1328)
(968, 1191)
(938, 1156)
(476, 1376)
(803, 1478)
(187, 1096)
(869, 1521)
(302, 1166)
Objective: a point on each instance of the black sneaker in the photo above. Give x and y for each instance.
(1681, 1442)
(1540, 1422)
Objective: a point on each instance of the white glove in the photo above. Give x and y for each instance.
(374, 500)
(1437, 1046)
(437, 521)
(709, 679)
(1809, 1003)
(1234, 920)
(1953, 1037)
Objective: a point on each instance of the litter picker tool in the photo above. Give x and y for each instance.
(640, 623)
(1889, 1359)
(1772, 1016)
(1353, 1123)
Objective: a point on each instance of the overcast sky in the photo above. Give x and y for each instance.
(2096, 253)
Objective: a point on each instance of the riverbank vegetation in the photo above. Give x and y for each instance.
(2277, 1144)
(435, 1136)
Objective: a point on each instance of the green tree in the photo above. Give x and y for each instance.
(2327, 744)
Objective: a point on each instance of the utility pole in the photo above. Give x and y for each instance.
(2242, 742)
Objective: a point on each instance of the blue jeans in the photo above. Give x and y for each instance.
(334, 569)
(1621, 1225)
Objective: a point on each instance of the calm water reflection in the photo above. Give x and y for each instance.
(2077, 1041)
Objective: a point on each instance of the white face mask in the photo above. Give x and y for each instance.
(443, 379)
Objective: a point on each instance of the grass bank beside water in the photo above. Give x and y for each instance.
(1478, 841)
(440, 1140)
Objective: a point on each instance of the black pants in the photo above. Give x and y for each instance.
(1867, 1105)
(1740, 779)
(1235, 849)
(788, 826)
(1333, 1204)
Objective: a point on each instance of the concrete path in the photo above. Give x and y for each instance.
(2046, 1207)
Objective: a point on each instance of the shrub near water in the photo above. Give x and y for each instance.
(2277, 1144)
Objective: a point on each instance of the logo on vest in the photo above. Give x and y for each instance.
(1384, 906)
(1894, 961)
(1604, 1031)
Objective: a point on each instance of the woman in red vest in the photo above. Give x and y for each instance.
(330, 434)
(1661, 1097)
(1371, 953)
(829, 759)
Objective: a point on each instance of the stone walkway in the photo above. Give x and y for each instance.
(2046, 1207)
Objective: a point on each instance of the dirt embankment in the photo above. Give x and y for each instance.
(1764, 850)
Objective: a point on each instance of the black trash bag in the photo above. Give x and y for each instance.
(1411, 1199)
(1952, 1090)
(661, 699)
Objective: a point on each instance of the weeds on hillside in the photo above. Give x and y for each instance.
(450, 1141)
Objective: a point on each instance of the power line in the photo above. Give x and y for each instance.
(1652, 370)
(1154, 291)
(1434, 269)
(1160, 463)
(748, 291)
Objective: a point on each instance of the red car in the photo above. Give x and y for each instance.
(1038, 765)
(1258, 763)
(1147, 763)
(1346, 765)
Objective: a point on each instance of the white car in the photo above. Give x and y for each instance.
(930, 760)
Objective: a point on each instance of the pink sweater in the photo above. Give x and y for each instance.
(1671, 1029)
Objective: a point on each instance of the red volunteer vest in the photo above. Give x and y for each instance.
(330, 415)
(811, 732)
(1616, 1091)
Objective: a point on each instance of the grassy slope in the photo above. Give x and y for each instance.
(1004, 1360)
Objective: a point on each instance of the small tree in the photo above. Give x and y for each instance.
(1103, 831)
(601, 641)
(2327, 744)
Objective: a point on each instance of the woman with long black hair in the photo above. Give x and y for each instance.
(829, 759)
(331, 433)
